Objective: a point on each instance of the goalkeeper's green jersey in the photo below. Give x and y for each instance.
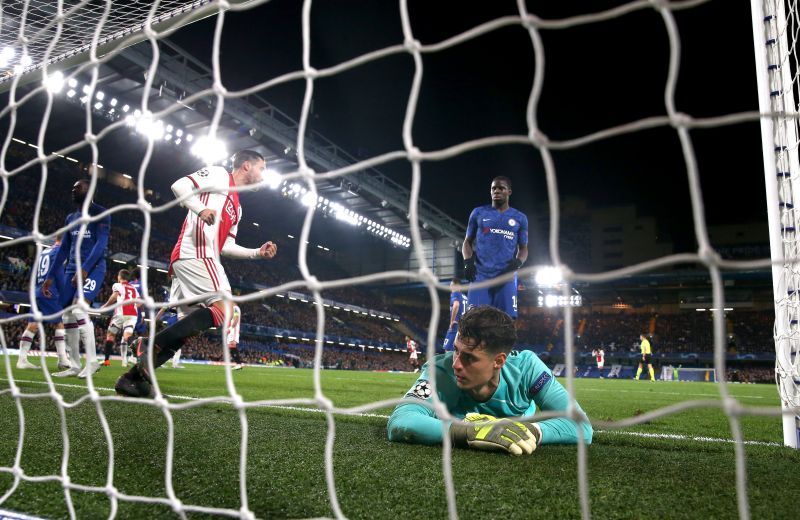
(525, 385)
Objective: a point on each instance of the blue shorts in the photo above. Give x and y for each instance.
(48, 306)
(503, 297)
(92, 284)
(450, 339)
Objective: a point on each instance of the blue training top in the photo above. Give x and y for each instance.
(497, 236)
(525, 385)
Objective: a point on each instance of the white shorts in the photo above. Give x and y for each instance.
(198, 277)
(122, 323)
(413, 356)
(601, 364)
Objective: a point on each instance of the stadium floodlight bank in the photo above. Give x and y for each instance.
(775, 35)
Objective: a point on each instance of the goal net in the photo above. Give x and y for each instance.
(51, 45)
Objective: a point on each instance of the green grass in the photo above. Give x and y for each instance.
(630, 476)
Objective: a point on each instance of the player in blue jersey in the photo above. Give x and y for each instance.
(484, 382)
(496, 243)
(93, 266)
(49, 302)
(458, 306)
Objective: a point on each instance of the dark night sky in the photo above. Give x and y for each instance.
(596, 76)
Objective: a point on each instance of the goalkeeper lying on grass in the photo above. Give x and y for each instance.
(484, 382)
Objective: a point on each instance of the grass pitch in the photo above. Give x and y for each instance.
(677, 466)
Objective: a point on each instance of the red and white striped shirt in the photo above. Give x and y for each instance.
(198, 239)
(125, 291)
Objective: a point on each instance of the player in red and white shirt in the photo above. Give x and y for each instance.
(600, 356)
(413, 355)
(232, 337)
(125, 316)
(208, 232)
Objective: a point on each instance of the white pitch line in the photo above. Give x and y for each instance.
(584, 391)
(670, 436)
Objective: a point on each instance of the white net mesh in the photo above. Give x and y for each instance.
(36, 21)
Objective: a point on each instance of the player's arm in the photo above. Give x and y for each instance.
(234, 250)
(185, 186)
(522, 247)
(468, 247)
(101, 241)
(551, 396)
(111, 300)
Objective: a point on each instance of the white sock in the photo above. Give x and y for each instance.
(123, 350)
(72, 337)
(61, 347)
(86, 330)
(176, 359)
(25, 343)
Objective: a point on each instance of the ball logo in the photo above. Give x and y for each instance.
(421, 390)
(512, 222)
(203, 173)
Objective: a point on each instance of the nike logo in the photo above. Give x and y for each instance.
(486, 219)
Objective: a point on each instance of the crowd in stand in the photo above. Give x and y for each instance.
(746, 331)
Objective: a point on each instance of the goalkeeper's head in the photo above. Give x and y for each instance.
(485, 337)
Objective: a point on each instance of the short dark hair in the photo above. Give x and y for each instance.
(456, 279)
(246, 155)
(492, 328)
(124, 274)
(135, 274)
(503, 178)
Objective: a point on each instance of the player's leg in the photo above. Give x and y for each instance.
(504, 297)
(235, 357)
(176, 359)
(449, 340)
(25, 343)
(111, 336)
(91, 288)
(651, 372)
(638, 371)
(61, 346)
(477, 297)
(195, 277)
(72, 340)
(123, 345)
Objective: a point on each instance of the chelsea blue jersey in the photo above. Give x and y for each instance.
(462, 304)
(95, 240)
(496, 237)
(48, 268)
(525, 384)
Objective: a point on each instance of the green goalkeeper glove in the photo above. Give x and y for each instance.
(485, 432)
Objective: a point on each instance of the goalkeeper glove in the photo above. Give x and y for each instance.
(470, 271)
(485, 432)
(512, 266)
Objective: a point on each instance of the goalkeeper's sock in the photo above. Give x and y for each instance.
(652, 374)
(638, 373)
(109, 346)
(25, 343)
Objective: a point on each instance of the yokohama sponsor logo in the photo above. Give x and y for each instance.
(508, 234)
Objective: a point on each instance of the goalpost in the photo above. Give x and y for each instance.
(780, 152)
(775, 36)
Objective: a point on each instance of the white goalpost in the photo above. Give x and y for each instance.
(33, 29)
(775, 35)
